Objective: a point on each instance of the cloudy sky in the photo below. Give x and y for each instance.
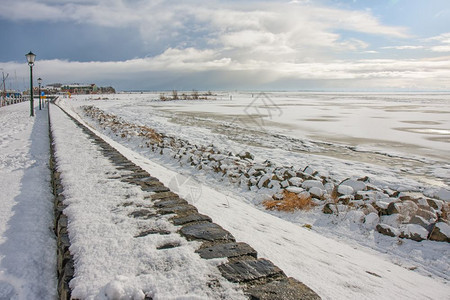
(249, 44)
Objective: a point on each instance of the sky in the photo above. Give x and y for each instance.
(371, 45)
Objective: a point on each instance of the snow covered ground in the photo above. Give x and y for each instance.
(27, 243)
(338, 257)
(338, 248)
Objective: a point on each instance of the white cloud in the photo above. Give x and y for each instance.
(405, 47)
(198, 67)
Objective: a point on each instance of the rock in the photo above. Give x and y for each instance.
(354, 184)
(329, 187)
(393, 208)
(436, 204)
(368, 208)
(426, 214)
(227, 250)
(294, 189)
(418, 220)
(310, 171)
(248, 270)
(297, 181)
(345, 190)
(307, 184)
(387, 230)
(316, 192)
(371, 220)
(246, 155)
(206, 231)
(393, 220)
(345, 199)
(264, 181)
(286, 289)
(440, 232)
(327, 209)
(414, 232)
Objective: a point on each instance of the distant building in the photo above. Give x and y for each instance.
(77, 88)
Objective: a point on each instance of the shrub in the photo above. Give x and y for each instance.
(290, 202)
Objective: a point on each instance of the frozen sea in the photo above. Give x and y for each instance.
(336, 133)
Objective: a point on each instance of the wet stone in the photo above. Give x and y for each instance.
(286, 289)
(164, 195)
(153, 231)
(170, 203)
(148, 179)
(168, 245)
(196, 217)
(156, 189)
(227, 250)
(206, 231)
(139, 174)
(178, 209)
(244, 271)
(142, 214)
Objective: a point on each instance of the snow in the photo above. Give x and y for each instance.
(341, 256)
(337, 261)
(27, 243)
(110, 262)
(443, 194)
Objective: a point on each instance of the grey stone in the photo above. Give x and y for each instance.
(195, 217)
(152, 231)
(156, 189)
(206, 231)
(170, 203)
(327, 209)
(387, 230)
(285, 289)
(227, 250)
(163, 195)
(245, 271)
(436, 233)
(142, 214)
(178, 209)
(392, 208)
(169, 245)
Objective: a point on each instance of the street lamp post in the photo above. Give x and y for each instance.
(31, 58)
(39, 81)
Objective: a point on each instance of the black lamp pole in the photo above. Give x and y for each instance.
(39, 81)
(30, 58)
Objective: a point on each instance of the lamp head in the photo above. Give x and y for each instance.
(39, 80)
(31, 57)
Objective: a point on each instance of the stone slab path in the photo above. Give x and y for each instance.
(259, 278)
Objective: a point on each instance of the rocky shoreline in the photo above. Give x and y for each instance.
(395, 213)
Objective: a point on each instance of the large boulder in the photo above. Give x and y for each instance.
(354, 184)
(371, 220)
(440, 232)
(414, 232)
(387, 230)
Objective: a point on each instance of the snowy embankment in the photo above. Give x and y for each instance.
(27, 243)
(334, 269)
(111, 260)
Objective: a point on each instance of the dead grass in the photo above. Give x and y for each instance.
(290, 202)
